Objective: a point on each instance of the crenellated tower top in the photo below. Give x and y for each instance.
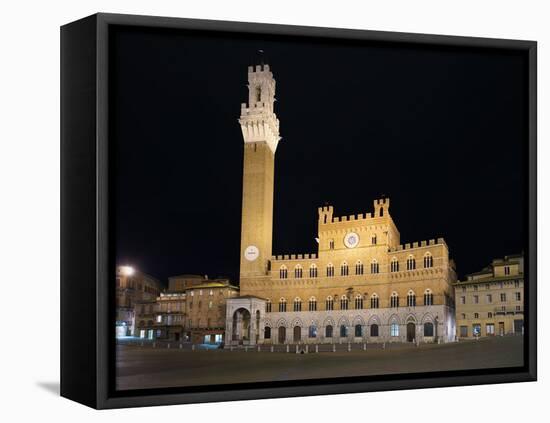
(258, 121)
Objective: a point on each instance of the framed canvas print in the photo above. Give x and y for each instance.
(255, 211)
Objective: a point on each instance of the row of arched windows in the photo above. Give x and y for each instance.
(358, 302)
(359, 268)
(373, 330)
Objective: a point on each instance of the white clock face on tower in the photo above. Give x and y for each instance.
(351, 240)
(251, 253)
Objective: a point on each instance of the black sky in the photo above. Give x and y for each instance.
(440, 131)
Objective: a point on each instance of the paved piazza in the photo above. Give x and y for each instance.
(147, 367)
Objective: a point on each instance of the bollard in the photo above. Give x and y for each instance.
(316, 348)
(333, 347)
(181, 346)
(349, 347)
(168, 346)
(272, 348)
(154, 344)
(296, 348)
(287, 348)
(384, 346)
(364, 346)
(142, 344)
(193, 347)
(307, 349)
(245, 349)
(231, 348)
(258, 348)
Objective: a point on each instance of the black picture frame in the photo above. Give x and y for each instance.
(87, 363)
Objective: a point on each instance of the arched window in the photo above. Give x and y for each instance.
(313, 271)
(428, 329)
(394, 300)
(359, 268)
(268, 306)
(297, 304)
(298, 272)
(428, 260)
(331, 244)
(329, 304)
(411, 299)
(282, 305)
(374, 330)
(374, 302)
(394, 265)
(343, 331)
(312, 331)
(344, 303)
(374, 267)
(344, 269)
(358, 331)
(328, 331)
(330, 270)
(358, 302)
(312, 305)
(394, 329)
(411, 263)
(267, 332)
(283, 272)
(428, 297)
(373, 240)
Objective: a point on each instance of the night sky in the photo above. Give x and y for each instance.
(440, 131)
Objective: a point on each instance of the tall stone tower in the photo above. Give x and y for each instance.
(260, 128)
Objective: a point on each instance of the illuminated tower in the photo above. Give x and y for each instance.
(260, 128)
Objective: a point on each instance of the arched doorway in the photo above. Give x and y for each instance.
(297, 333)
(241, 325)
(281, 334)
(411, 328)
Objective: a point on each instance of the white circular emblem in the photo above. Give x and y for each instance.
(251, 253)
(351, 240)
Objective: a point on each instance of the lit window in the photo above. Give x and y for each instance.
(159, 318)
(312, 332)
(358, 331)
(394, 329)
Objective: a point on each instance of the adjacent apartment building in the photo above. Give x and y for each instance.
(490, 302)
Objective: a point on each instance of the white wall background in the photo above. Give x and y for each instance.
(29, 206)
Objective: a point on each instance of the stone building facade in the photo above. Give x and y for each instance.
(192, 309)
(361, 285)
(131, 286)
(491, 302)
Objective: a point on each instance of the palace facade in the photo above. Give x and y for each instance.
(491, 302)
(362, 285)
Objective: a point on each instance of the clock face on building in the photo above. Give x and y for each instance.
(251, 253)
(351, 240)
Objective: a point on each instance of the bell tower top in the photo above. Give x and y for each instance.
(258, 121)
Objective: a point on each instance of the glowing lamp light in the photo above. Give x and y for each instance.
(127, 270)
